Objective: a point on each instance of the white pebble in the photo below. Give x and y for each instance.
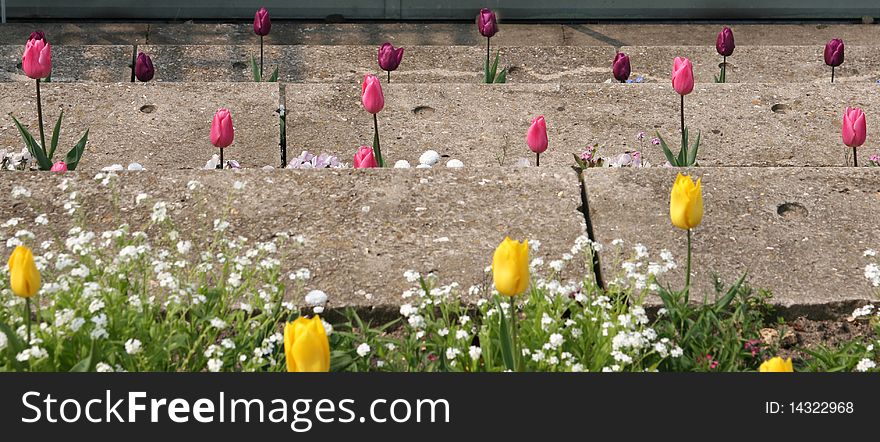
(135, 166)
(316, 298)
(401, 164)
(423, 166)
(430, 158)
(457, 164)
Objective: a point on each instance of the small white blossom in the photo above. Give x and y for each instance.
(363, 349)
(132, 346)
(215, 365)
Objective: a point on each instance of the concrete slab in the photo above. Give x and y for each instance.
(362, 229)
(72, 63)
(800, 233)
(76, 33)
(161, 126)
(482, 125)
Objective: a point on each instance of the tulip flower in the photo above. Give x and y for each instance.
(24, 279)
(37, 64)
(620, 67)
(683, 83)
(834, 54)
(776, 365)
(143, 68)
(306, 347)
(724, 45)
(60, 166)
(487, 24)
(222, 131)
(373, 101)
(389, 58)
(854, 130)
(536, 137)
(510, 267)
(364, 159)
(262, 25)
(686, 210)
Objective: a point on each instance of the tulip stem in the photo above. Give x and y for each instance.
(40, 116)
(261, 57)
(832, 74)
(513, 332)
(537, 159)
(488, 80)
(376, 150)
(724, 69)
(389, 77)
(855, 158)
(221, 166)
(683, 133)
(687, 276)
(27, 318)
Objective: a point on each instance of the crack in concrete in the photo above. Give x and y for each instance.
(585, 209)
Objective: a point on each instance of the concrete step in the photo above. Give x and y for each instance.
(167, 125)
(449, 64)
(443, 34)
(799, 232)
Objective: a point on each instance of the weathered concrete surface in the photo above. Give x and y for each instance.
(798, 232)
(161, 126)
(479, 124)
(71, 63)
(362, 229)
(443, 34)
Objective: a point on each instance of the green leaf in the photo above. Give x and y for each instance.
(491, 75)
(86, 364)
(692, 155)
(14, 344)
(72, 158)
(666, 151)
(274, 77)
(502, 77)
(682, 153)
(55, 134)
(506, 342)
(255, 70)
(340, 361)
(32, 146)
(725, 300)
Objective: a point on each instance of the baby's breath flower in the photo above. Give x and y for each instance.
(363, 350)
(132, 346)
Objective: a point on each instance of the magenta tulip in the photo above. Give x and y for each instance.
(364, 158)
(620, 67)
(487, 23)
(143, 68)
(389, 58)
(724, 43)
(60, 166)
(854, 127)
(37, 59)
(536, 137)
(682, 76)
(262, 23)
(222, 131)
(371, 94)
(834, 52)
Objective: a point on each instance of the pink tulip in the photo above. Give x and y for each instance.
(60, 166)
(364, 158)
(682, 76)
(537, 136)
(487, 23)
(854, 127)
(222, 131)
(262, 23)
(371, 94)
(37, 59)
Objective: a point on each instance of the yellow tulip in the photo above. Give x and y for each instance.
(510, 267)
(306, 347)
(776, 364)
(24, 278)
(686, 203)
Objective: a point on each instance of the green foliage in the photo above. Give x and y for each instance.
(258, 76)
(45, 157)
(687, 156)
(491, 72)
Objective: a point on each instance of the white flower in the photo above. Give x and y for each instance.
(363, 349)
(407, 309)
(416, 321)
(218, 323)
(443, 331)
(103, 367)
(234, 279)
(429, 158)
(865, 365)
(557, 265)
(556, 340)
(96, 305)
(411, 276)
(215, 365)
(316, 298)
(183, 247)
(461, 334)
(19, 191)
(474, 352)
(676, 352)
(42, 219)
(160, 212)
(132, 346)
(328, 328)
(452, 353)
(3, 340)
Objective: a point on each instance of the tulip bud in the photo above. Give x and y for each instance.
(222, 131)
(364, 159)
(306, 347)
(262, 23)
(487, 23)
(682, 76)
(389, 57)
(620, 67)
(537, 135)
(371, 94)
(834, 52)
(724, 44)
(60, 166)
(143, 68)
(686, 203)
(37, 59)
(776, 364)
(854, 128)
(510, 267)
(24, 278)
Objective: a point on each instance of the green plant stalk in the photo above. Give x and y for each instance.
(514, 331)
(488, 80)
(27, 317)
(537, 159)
(687, 275)
(855, 158)
(261, 57)
(222, 166)
(832, 74)
(376, 149)
(683, 135)
(40, 116)
(389, 77)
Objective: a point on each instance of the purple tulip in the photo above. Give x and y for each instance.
(262, 23)
(143, 68)
(389, 57)
(724, 44)
(621, 67)
(834, 52)
(487, 23)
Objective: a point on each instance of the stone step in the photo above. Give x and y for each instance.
(448, 64)
(441, 33)
(167, 125)
(799, 232)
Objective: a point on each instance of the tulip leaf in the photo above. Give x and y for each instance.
(72, 158)
(722, 303)
(493, 69)
(340, 361)
(35, 150)
(692, 154)
(666, 151)
(55, 133)
(86, 364)
(682, 153)
(502, 77)
(506, 342)
(274, 77)
(255, 70)
(14, 345)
